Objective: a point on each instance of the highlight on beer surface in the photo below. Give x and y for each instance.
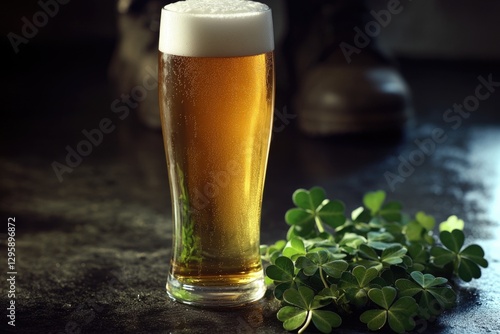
(216, 28)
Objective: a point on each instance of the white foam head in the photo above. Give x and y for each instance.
(216, 28)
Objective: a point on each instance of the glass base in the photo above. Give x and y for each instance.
(215, 295)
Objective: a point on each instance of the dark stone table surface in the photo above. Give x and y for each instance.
(92, 251)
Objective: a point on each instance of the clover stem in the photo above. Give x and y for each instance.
(308, 321)
(456, 264)
(319, 224)
(323, 278)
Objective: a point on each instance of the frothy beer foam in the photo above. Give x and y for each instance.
(216, 28)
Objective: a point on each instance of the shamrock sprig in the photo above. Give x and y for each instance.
(380, 265)
(398, 313)
(313, 212)
(305, 307)
(466, 262)
(432, 293)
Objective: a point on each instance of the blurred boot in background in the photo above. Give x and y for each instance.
(344, 83)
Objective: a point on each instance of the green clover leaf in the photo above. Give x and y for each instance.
(313, 209)
(453, 241)
(282, 272)
(332, 293)
(427, 222)
(428, 291)
(401, 314)
(269, 253)
(420, 229)
(325, 321)
(307, 265)
(375, 319)
(452, 223)
(298, 216)
(301, 298)
(304, 309)
(357, 284)
(374, 200)
(398, 314)
(466, 262)
(323, 262)
(294, 248)
(419, 255)
(392, 255)
(359, 278)
(332, 213)
(442, 256)
(383, 297)
(427, 280)
(380, 240)
(361, 215)
(309, 199)
(475, 254)
(292, 317)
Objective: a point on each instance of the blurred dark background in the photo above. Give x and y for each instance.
(107, 219)
(85, 35)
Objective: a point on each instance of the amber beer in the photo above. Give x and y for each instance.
(216, 74)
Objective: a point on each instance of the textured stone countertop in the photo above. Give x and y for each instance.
(92, 251)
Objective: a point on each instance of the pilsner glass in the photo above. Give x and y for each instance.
(216, 89)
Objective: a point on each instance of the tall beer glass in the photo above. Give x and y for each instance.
(216, 88)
